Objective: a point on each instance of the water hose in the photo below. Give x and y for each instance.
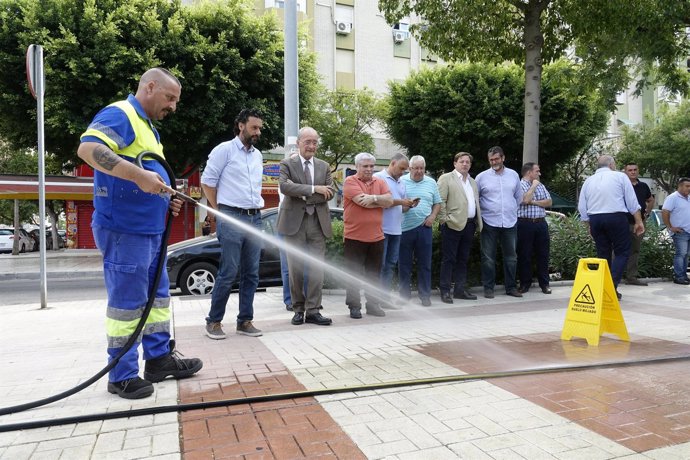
(324, 392)
(142, 321)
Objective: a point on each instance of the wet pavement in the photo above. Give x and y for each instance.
(634, 411)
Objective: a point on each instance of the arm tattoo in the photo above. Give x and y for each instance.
(105, 157)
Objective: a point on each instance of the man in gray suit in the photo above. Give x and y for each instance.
(305, 221)
(460, 217)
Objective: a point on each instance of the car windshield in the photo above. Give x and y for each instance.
(6, 231)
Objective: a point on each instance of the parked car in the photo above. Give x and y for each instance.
(26, 243)
(193, 264)
(35, 235)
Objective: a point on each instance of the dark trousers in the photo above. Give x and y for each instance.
(306, 291)
(415, 243)
(363, 260)
(611, 233)
(455, 252)
(631, 272)
(533, 239)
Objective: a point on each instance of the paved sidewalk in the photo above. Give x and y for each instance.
(632, 412)
(61, 264)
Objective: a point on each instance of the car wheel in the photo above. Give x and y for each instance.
(198, 279)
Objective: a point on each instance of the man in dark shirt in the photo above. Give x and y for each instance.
(646, 200)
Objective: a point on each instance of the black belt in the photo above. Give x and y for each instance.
(532, 219)
(248, 212)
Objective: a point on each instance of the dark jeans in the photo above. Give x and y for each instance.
(490, 238)
(455, 252)
(611, 233)
(533, 239)
(415, 242)
(240, 251)
(391, 253)
(363, 260)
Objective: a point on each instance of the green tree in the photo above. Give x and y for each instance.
(610, 36)
(26, 163)
(660, 146)
(344, 119)
(226, 58)
(440, 111)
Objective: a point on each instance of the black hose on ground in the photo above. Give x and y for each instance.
(323, 392)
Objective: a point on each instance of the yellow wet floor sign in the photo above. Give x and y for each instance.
(593, 308)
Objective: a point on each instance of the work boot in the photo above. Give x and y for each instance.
(171, 365)
(134, 388)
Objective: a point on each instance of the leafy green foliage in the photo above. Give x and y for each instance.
(660, 147)
(343, 120)
(95, 51)
(471, 107)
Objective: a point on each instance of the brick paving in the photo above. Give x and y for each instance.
(630, 412)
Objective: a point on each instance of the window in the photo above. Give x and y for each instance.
(301, 4)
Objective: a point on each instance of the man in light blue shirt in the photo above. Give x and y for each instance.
(500, 195)
(393, 216)
(416, 239)
(606, 200)
(676, 215)
(232, 184)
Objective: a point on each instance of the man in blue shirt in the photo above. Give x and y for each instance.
(532, 229)
(500, 195)
(232, 184)
(128, 227)
(416, 239)
(606, 200)
(676, 215)
(393, 216)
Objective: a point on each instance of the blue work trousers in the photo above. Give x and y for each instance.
(129, 269)
(240, 252)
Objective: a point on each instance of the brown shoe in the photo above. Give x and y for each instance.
(247, 328)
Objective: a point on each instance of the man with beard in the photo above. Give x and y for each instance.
(131, 204)
(232, 185)
(500, 195)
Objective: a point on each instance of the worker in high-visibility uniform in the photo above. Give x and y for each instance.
(128, 223)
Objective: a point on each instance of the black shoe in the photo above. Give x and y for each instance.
(681, 281)
(134, 388)
(171, 365)
(374, 310)
(426, 302)
(465, 295)
(319, 319)
(514, 293)
(288, 307)
(356, 312)
(524, 288)
(298, 318)
(446, 297)
(546, 290)
(489, 293)
(619, 295)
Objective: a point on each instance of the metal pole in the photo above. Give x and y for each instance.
(291, 78)
(40, 89)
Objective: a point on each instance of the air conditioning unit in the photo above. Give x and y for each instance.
(399, 36)
(343, 28)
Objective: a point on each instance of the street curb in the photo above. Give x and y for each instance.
(52, 276)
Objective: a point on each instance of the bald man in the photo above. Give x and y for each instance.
(130, 209)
